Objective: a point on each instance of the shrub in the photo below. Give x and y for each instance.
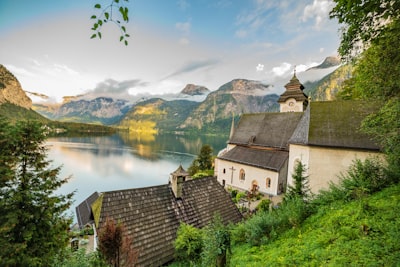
(188, 243)
(264, 205)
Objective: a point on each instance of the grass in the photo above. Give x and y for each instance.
(365, 232)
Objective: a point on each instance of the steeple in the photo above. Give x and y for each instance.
(176, 180)
(293, 99)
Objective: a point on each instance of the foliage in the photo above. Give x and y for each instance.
(338, 234)
(300, 188)
(115, 245)
(361, 179)
(108, 15)
(217, 243)
(33, 227)
(264, 205)
(364, 21)
(78, 258)
(203, 162)
(188, 244)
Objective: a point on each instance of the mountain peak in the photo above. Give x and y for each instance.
(11, 90)
(331, 61)
(192, 89)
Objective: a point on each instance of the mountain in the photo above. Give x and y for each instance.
(157, 114)
(212, 116)
(329, 62)
(11, 90)
(193, 90)
(102, 110)
(231, 99)
(326, 88)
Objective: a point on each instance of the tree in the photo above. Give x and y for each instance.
(115, 245)
(364, 21)
(216, 243)
(188, 243)
(300, 188)
(203, 162)
(107, 14)
(33, 227)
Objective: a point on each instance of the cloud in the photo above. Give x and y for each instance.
(115, 89)
(260, 67)
(192, 66)
(183, 27)
(282, 69)
(19, 71)
(64, 68)
(183, 4)
(318, 10)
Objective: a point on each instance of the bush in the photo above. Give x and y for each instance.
(264, 205)
(188, 243)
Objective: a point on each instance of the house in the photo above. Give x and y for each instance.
(263, 148)
(152, 215)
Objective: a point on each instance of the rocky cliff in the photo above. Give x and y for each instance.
(192, 89)
(11, 90)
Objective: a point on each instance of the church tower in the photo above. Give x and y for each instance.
(293, 99)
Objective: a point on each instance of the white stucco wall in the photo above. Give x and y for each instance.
(324, 164)
(251, 174)
(291, 105)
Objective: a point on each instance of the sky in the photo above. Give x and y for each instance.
(46, 44)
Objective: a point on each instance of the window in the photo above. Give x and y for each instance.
(224, 171)
(242, 175)
(268, 182)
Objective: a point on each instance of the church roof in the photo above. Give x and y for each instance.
(294, 89)
(180, 172)
(335, 124)
(152, 215)
(266, 129)
(266, 159)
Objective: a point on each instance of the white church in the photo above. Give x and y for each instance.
(264, 147)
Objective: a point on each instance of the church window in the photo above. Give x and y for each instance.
(242, 175)
(224, 171)
(268, 182)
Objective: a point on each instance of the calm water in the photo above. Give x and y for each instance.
(121, 161)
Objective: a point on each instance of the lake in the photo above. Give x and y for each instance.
(122, 161)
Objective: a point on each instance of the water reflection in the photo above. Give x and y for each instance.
(119, 161)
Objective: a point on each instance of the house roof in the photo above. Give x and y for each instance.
(83, 210)
(261, 158)
(266, 129)
(152, 215)
(335, 124)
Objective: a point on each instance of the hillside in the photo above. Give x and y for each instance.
(11, 90)
(327, 88)
(363, 232)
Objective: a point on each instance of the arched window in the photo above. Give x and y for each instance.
(224, 171)
(268, 182)
(242, 175)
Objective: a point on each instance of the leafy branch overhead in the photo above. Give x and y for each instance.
(115, 12)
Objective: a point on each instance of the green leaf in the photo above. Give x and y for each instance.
(107, 15)
(99, 34)
(116, 1)
(127, 35)
(123, 28)
(93, 36)
(126, 42)
(121, 38)
(97, 6)
(93, 17)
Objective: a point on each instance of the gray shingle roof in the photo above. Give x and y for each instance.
(294, 89)
(261, 158)
(84, 211)
(266, 129)
(335, 124)
(152, 215)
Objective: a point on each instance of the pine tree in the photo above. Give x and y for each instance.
(33, 227)
(300, 188)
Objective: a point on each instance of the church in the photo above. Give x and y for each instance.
(264, 148)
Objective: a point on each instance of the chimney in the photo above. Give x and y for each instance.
(177, 179)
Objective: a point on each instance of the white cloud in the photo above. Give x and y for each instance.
(282, 69)
(260, 67)
(318, 10)
(183, 27)
(19, 71)
(65, 68)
